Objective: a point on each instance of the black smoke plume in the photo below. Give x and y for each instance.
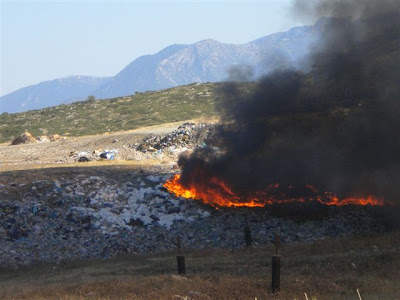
(336, 128)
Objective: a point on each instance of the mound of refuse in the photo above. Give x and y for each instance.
(186, 136)
(81, 216)
(25, 138)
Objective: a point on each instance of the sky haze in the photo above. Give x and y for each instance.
(44, 40)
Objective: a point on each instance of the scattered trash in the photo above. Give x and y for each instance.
(83, 159)
(109, 154)
(84, 156)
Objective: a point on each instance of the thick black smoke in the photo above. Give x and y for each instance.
(336, 128)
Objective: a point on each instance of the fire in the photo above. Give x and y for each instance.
(217, 193)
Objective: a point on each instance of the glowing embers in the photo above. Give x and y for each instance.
(215, 192)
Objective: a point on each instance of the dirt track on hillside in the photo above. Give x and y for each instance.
(49, 154)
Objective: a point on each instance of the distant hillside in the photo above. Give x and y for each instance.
(204, 61)
(51, 93)
(124, 113)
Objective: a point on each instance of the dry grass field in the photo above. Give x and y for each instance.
(330, 269)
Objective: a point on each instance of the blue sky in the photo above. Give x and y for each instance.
(44, 40)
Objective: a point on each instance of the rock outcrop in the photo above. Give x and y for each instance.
(25, 138)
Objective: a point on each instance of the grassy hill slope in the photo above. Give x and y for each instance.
(123, 113)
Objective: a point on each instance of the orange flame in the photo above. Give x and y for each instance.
(215, 192)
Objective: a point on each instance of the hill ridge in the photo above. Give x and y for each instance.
(207, 60)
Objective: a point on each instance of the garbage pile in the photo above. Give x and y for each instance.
(185, 137)
(87, 217)
(83, 216)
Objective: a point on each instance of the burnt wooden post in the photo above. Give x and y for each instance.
(276, 273)
(276, 267)
(181, 264)
(247, 233)
(180, 259)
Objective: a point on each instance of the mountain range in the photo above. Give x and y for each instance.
(204, 61)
